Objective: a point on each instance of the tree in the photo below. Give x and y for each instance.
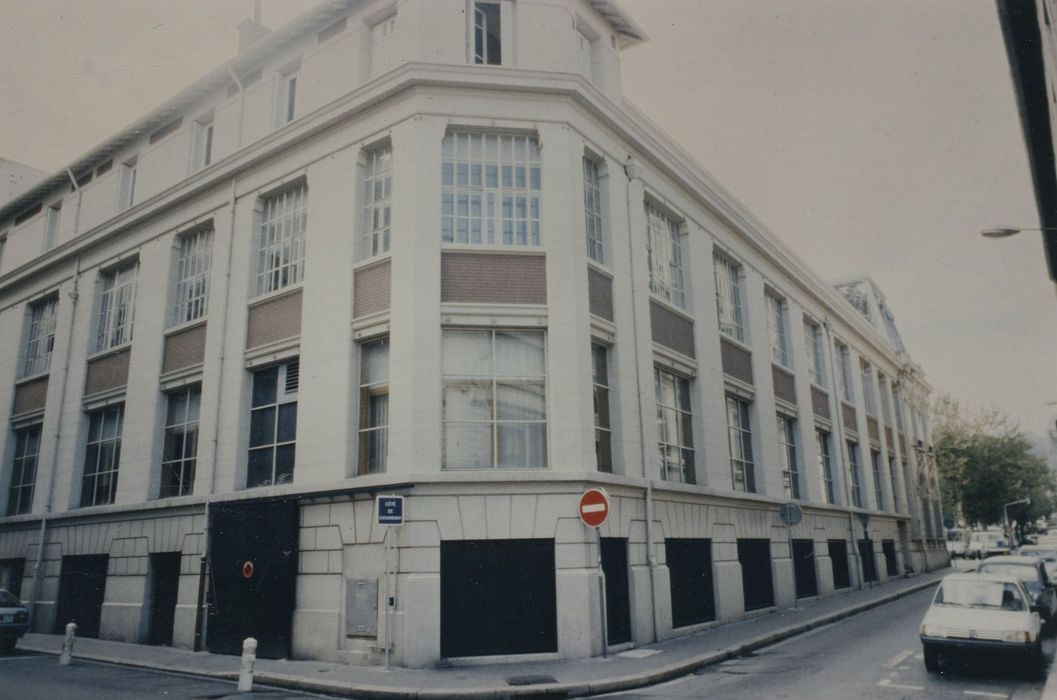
(986, 461)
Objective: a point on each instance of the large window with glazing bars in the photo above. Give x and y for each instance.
(40, 337)
(853, 473)
(825, 466)
(273, 425)
(869, 402)
(603, 427)
(777, 330)
(739, 434)
(664, 251)
(675, 432)
(180, 452)
(281, 239)
(844, 365)
(487, 44)
(378, 191)
(194, 257)
(24, 469)
(490, 191)
(875, 463)
(494, 407)
(593, 211)
(729, 298)
(102, 455)
(787, 456)
(374, 406)
(816, 361)
(117, 304)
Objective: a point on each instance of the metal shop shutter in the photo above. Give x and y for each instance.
(690, 580)
(497, 597)
(838, 556)
(755, 558)
(804, 568)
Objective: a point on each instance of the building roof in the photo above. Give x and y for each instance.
(16, 177)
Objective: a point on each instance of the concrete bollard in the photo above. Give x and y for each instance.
(67, 645)
(249, 655)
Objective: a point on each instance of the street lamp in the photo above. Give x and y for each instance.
(1005, 513)
(1007, 231)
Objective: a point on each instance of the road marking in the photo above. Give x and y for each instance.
(889, 684)
(982, 694)
(899, 658)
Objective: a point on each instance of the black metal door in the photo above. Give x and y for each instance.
(804, 568)
(82, 584)
(838, 557)
(164, 586)
(253, 573)
(618, 599)
(891, 564)
(755, 558)
(11, 572)
(497, 597)
(690, 580)
(869, 562)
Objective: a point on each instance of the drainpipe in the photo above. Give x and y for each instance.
(839, 419)
(200, 617)
(35, 586)
(242, 105)
(631, 168)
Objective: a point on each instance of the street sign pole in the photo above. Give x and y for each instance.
(389, 511)
(388, 607)
(594, 509)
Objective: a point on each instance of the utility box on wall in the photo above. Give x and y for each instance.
(361, 607)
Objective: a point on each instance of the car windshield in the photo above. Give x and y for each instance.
(8, 601)
(979, 594)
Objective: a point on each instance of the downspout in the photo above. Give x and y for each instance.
(242, 105)
(631, 171)
(200, 617)
(839, 419)
(74, 295)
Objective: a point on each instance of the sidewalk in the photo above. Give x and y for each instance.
(638, 667)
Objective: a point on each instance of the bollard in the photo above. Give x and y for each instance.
(67, 645)
(249, 655)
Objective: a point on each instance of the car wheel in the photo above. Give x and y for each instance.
(932, 660)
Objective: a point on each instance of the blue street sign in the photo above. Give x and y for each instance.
(390, 510)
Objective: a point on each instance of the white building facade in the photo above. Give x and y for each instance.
(425, 247)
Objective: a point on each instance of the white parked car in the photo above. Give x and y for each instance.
(987, 544)
(1032, 574)
(1046, 552)
(982, 615)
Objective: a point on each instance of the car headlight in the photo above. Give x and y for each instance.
(933, 631)
(1017, 636)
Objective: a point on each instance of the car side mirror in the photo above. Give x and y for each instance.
(1037, 609)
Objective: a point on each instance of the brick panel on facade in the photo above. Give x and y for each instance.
(737, 361)
(672, 330)
(493, 278)
(30, 396)
(872, 429)
(274, 320)
(820, 402)
(107, 373)
(784, 384)
(889, 440)
(186, 348)
(600, 294)
(371, 290)
(847, 412)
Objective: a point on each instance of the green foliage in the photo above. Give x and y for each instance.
(985, 461)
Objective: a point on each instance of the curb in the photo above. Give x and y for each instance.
(570, 689)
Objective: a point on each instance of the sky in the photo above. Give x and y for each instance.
(872, 136)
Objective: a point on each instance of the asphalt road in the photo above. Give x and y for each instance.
(29, 676)
(873, 655)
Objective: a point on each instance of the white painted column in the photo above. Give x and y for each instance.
(570, 404)
(415, 324)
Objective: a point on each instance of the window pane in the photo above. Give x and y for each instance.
(520, 401)
(265, 383)
(287, 422)
(284, 464)
(519, 354)
(522, 444)
(259, 469)
(374, 362)
(468, 400)
(262, 427)
(468, 445)
(467, 353)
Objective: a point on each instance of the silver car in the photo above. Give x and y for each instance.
(1032, 573)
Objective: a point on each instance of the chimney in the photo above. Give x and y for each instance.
(250, 32)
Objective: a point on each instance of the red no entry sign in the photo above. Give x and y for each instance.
(594, 507)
